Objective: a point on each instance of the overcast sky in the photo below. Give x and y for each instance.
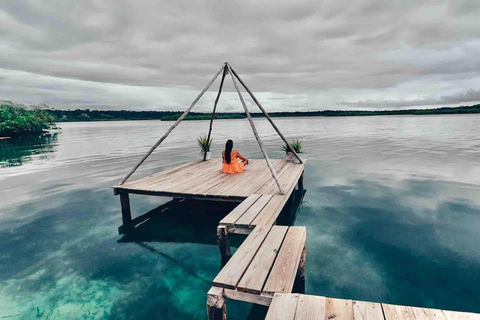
(296, 55)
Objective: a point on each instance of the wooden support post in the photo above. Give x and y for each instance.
(300, 278)
(126, 213)
(172, 127)
(215, 108)
(216, 306)
(266, 115)
(224, 244)
(300, 182)
(274, 174)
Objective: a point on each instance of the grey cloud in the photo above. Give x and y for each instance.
(470, 95)
(360, 50)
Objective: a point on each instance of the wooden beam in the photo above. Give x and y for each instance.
(172, 127)
(255, 130)
(266, 115)
(224, 244)
(215, 108)
(126, 213)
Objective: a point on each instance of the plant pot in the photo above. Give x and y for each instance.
(290, 156)
(209, 154)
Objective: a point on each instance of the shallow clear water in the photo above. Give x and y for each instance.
(392, 214)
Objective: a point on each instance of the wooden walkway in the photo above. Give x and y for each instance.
(204, 180)
(256, 210)
(300, 307)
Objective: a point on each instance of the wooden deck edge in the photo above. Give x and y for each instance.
(117, 191)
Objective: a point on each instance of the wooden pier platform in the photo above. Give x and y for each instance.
(300, 306)
(203, 180)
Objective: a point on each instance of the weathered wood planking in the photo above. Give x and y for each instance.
(283, 307)
(309, 307)
(239, 210)
(233, 271)
(282, 276)
(251, 213)
(367, 311)
(257, 272)
(204, 180)
(338, 309)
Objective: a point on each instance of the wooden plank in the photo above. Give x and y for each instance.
(261, 180)
(367, 311)
(233, 271)
(251, 213)
(271, 211)
(254, 167)
(338, 309)
(310, 308)
(394, 312)
(200, 181)
(260, 175)
(288, 180)
(454, 315)
(179, 184)
(282, 276)
(224, 180)
(248, 297)
(163, 174)
(167, 179)
(239, 210)
(287, 166)
(283, 307)
(428, 314)
(256, 274)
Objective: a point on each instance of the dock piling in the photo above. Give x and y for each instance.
(300, 277)
(216, 306)
(126, 213)
(223, 244)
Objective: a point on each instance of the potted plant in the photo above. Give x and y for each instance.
(204, 146)
(296, 146)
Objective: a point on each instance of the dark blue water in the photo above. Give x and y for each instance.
(392, 214)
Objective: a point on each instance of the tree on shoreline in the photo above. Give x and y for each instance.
(20, 119)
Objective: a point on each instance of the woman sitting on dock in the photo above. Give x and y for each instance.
(230, 159)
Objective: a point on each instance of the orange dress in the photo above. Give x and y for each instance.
(234, 166)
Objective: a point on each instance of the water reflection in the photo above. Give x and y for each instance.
(194, 221)
(24, 148)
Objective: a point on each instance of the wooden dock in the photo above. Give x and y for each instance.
(300, 307)
(203, 180)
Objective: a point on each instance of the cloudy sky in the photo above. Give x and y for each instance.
(296, 55)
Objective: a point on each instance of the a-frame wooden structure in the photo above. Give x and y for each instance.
(226, 69)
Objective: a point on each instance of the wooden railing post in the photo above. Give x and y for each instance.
(274, 174)
(215, 108)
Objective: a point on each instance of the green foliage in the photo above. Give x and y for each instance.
(204, 144)
(296, 145)
(15, 119)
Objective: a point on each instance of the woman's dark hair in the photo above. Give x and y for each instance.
(228, 151)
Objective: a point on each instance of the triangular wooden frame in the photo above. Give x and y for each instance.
(226, 68)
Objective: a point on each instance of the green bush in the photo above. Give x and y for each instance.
(16, 119)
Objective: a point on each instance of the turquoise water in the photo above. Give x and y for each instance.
(392, 211)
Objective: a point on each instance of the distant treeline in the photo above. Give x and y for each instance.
(97, 115)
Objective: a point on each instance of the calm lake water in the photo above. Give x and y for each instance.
(392, 211)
